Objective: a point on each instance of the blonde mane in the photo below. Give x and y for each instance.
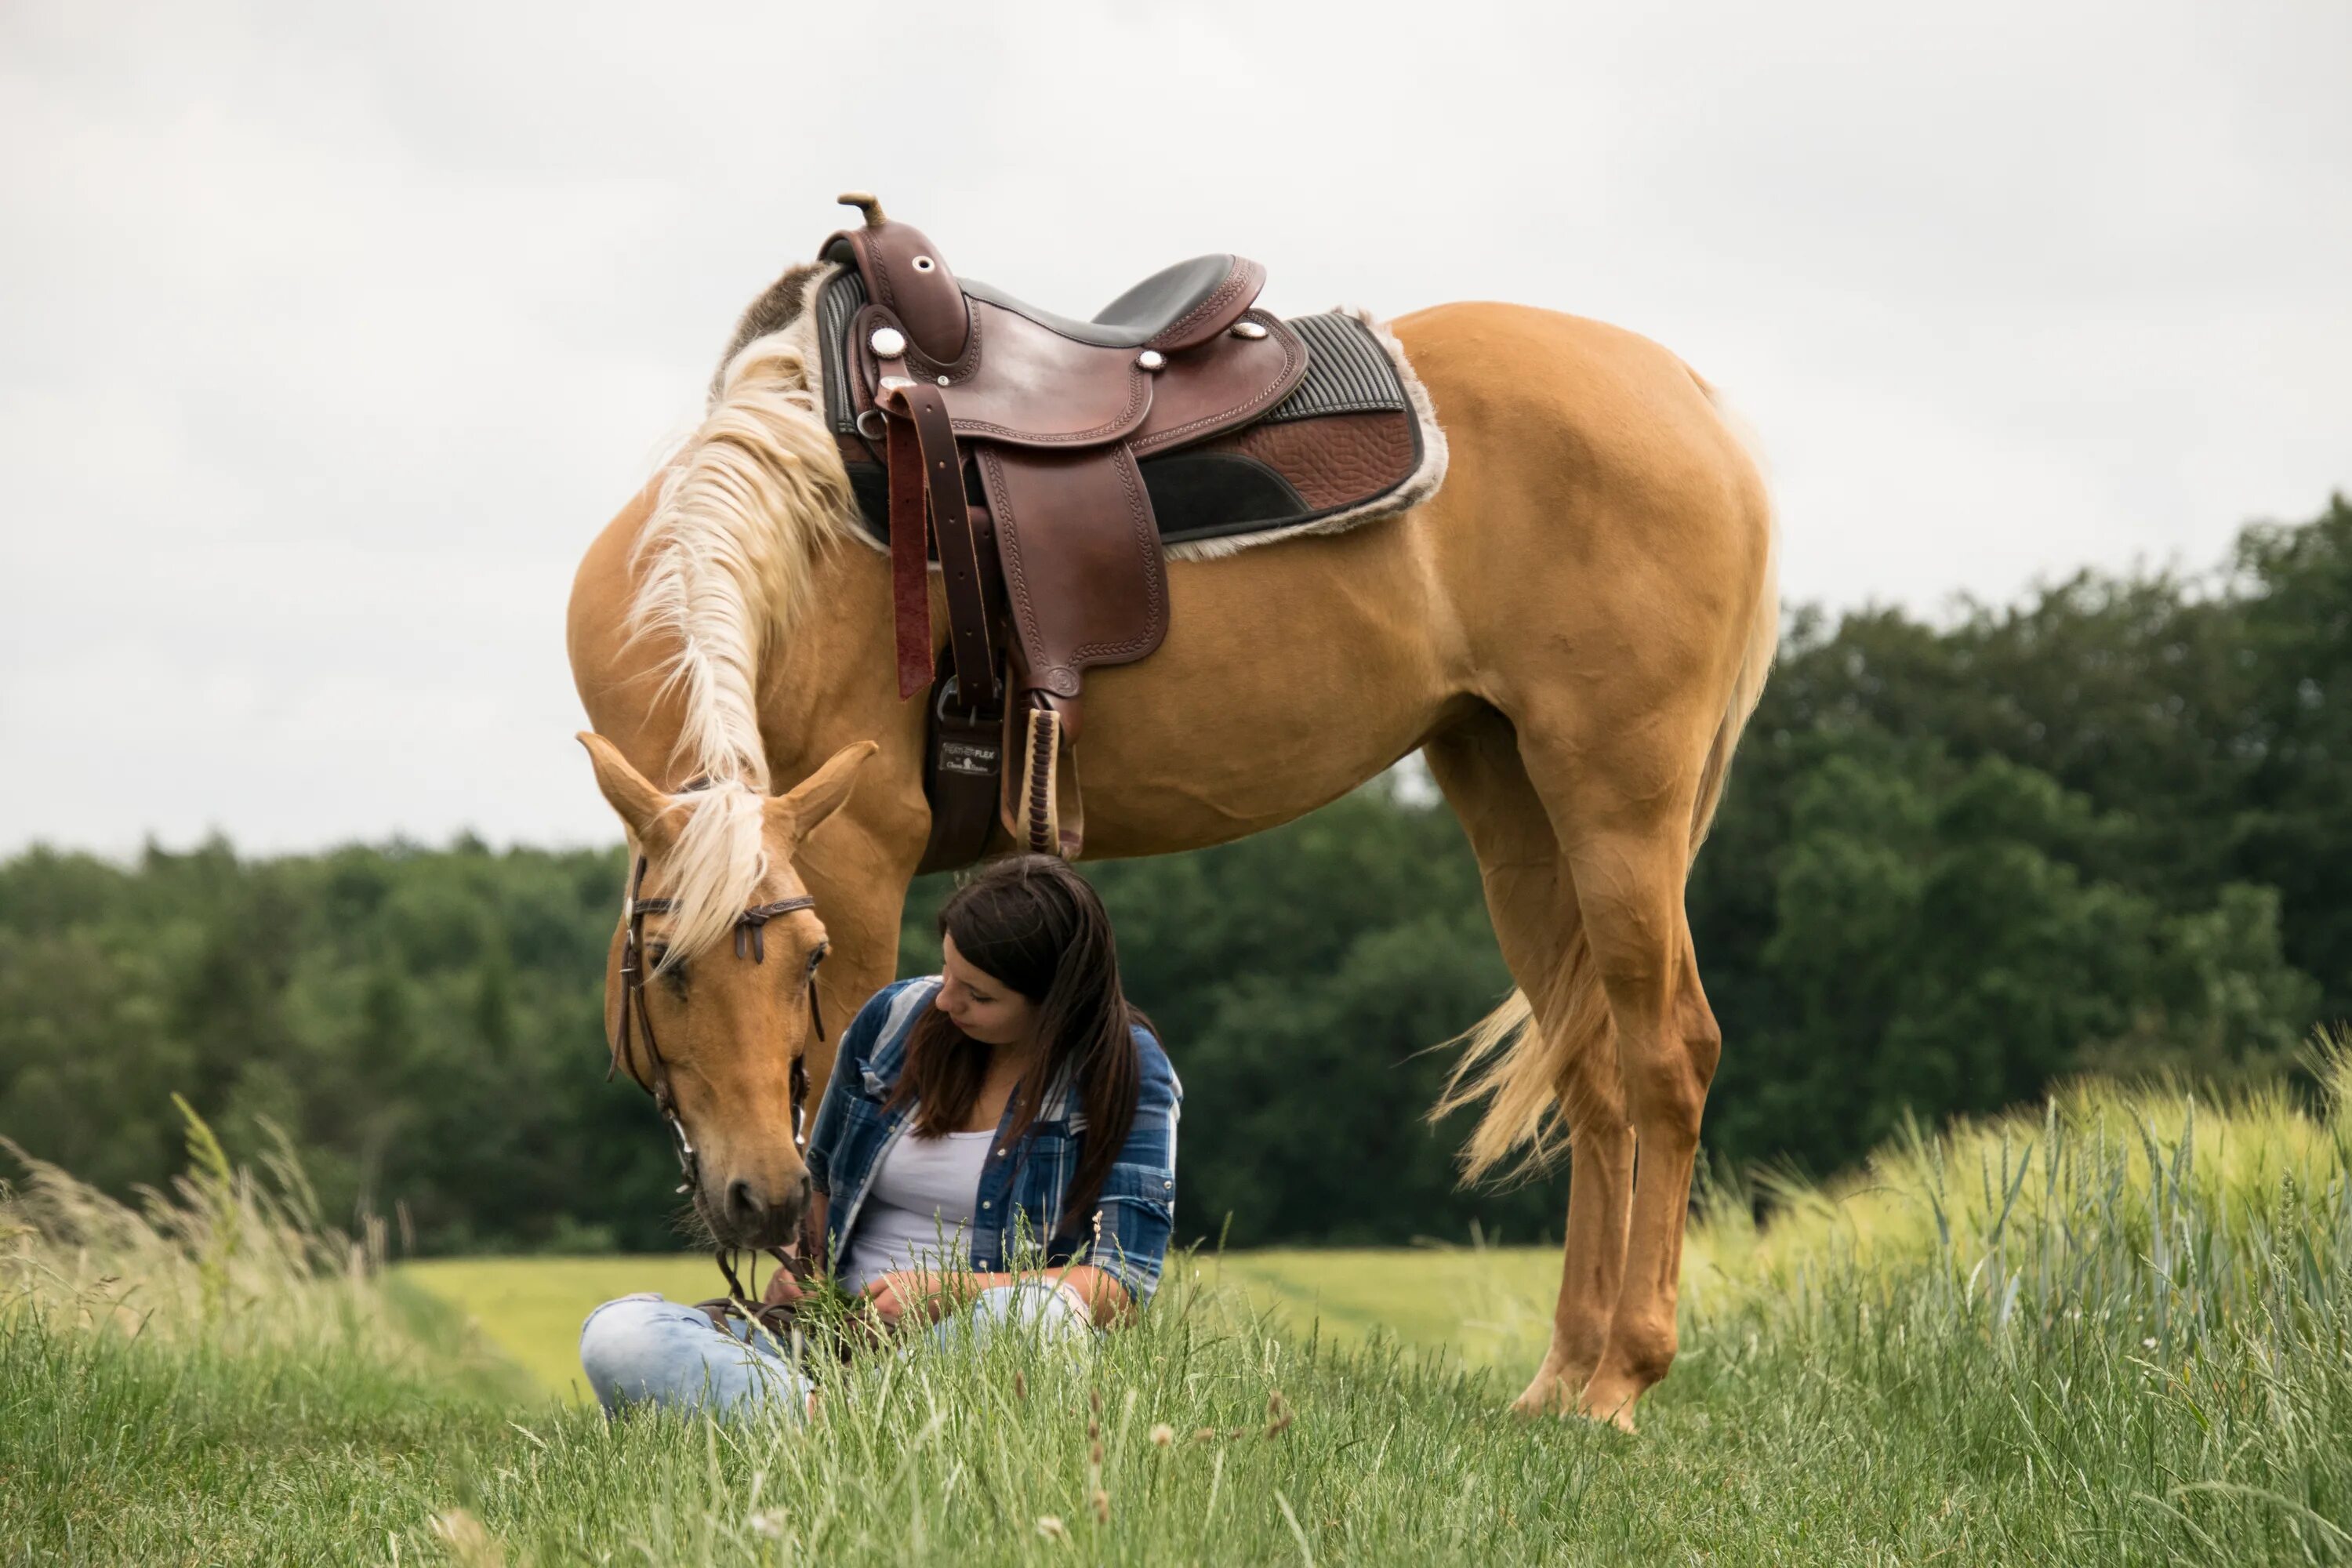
(748, 504)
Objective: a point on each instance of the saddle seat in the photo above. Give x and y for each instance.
(1133, 320)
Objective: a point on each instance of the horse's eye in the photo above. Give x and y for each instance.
(673, 977)
(817, 956)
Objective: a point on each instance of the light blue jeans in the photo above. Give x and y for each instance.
(643, 1349)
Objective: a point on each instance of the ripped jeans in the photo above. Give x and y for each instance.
(643, 1349)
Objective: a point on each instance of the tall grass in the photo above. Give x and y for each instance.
(2112, 1331)
(236, 1260)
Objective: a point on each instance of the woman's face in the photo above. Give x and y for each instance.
(982, 1007)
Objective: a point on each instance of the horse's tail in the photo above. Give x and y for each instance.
(1763, 634)
(1526, 1077)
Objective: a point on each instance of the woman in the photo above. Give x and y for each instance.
(997, 1143)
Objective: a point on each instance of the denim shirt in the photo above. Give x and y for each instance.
(1019, 1207)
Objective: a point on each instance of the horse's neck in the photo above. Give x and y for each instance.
(826, 681)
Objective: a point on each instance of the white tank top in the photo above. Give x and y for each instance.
(918, 1214)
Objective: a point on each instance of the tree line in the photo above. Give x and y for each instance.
(2105, 827)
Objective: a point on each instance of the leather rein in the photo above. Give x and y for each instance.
(750, 941)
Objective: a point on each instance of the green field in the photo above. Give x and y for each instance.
(2119, 1330)
(1488, 1307)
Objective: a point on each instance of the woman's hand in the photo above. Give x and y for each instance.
(894, 1295)
(782, 1290)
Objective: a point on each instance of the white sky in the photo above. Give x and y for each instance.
(328, 335)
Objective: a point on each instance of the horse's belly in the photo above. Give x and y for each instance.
(1292, 672)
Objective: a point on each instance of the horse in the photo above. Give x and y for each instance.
(1572, 630)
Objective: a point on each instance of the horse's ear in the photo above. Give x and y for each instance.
(642, 807)
(821, 793)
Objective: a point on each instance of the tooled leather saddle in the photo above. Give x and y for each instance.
(1023, 453)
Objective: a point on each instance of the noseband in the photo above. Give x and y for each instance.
(750, 938)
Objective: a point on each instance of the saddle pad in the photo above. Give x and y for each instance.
(1350, 443)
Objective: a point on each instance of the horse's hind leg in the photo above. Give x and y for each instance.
(1533, 906)
(1619, 794)
(1629, 878)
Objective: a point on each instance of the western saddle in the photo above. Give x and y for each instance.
(1013, 438)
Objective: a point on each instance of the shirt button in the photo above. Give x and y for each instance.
(985, 1205)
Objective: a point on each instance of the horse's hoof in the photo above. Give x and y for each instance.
(1613, 1406)
(1550, 1394)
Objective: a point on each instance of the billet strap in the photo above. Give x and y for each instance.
(921, 407)
(910, 594)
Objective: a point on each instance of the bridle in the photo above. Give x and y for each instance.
(750, 940)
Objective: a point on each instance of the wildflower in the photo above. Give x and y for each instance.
(768, 1521)
(2147, 1344)
(1102, 1505)
(1050, 1527)
(1162, 1435)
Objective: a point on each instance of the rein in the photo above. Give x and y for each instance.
(750, 941)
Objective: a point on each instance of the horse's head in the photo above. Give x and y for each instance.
(710, 989)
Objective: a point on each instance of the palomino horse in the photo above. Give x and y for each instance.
(1573, 631)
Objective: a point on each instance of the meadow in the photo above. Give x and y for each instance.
(2111, 1329)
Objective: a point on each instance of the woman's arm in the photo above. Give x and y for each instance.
(1134, 1214)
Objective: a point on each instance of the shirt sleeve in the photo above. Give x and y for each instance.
(1136, 1212)
(857, 1045)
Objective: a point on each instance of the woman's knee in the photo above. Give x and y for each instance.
(624, 1341)
(645, 1349)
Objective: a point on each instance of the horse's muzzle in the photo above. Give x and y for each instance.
(741, 1214)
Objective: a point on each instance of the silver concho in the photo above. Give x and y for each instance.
(1249, 329)
(1152, 359)
(887, 343)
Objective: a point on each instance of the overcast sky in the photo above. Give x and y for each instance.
(328, 335)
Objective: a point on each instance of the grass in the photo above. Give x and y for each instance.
(1485, 1308)
(2117, 1331)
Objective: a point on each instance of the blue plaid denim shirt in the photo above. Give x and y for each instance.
(1018, 1218)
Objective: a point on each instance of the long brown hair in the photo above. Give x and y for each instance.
(1036, 926)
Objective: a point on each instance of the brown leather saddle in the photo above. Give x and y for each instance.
(1023, 452)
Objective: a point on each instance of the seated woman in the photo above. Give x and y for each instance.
(1015, 1098)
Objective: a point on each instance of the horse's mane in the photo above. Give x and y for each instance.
(749, 503)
